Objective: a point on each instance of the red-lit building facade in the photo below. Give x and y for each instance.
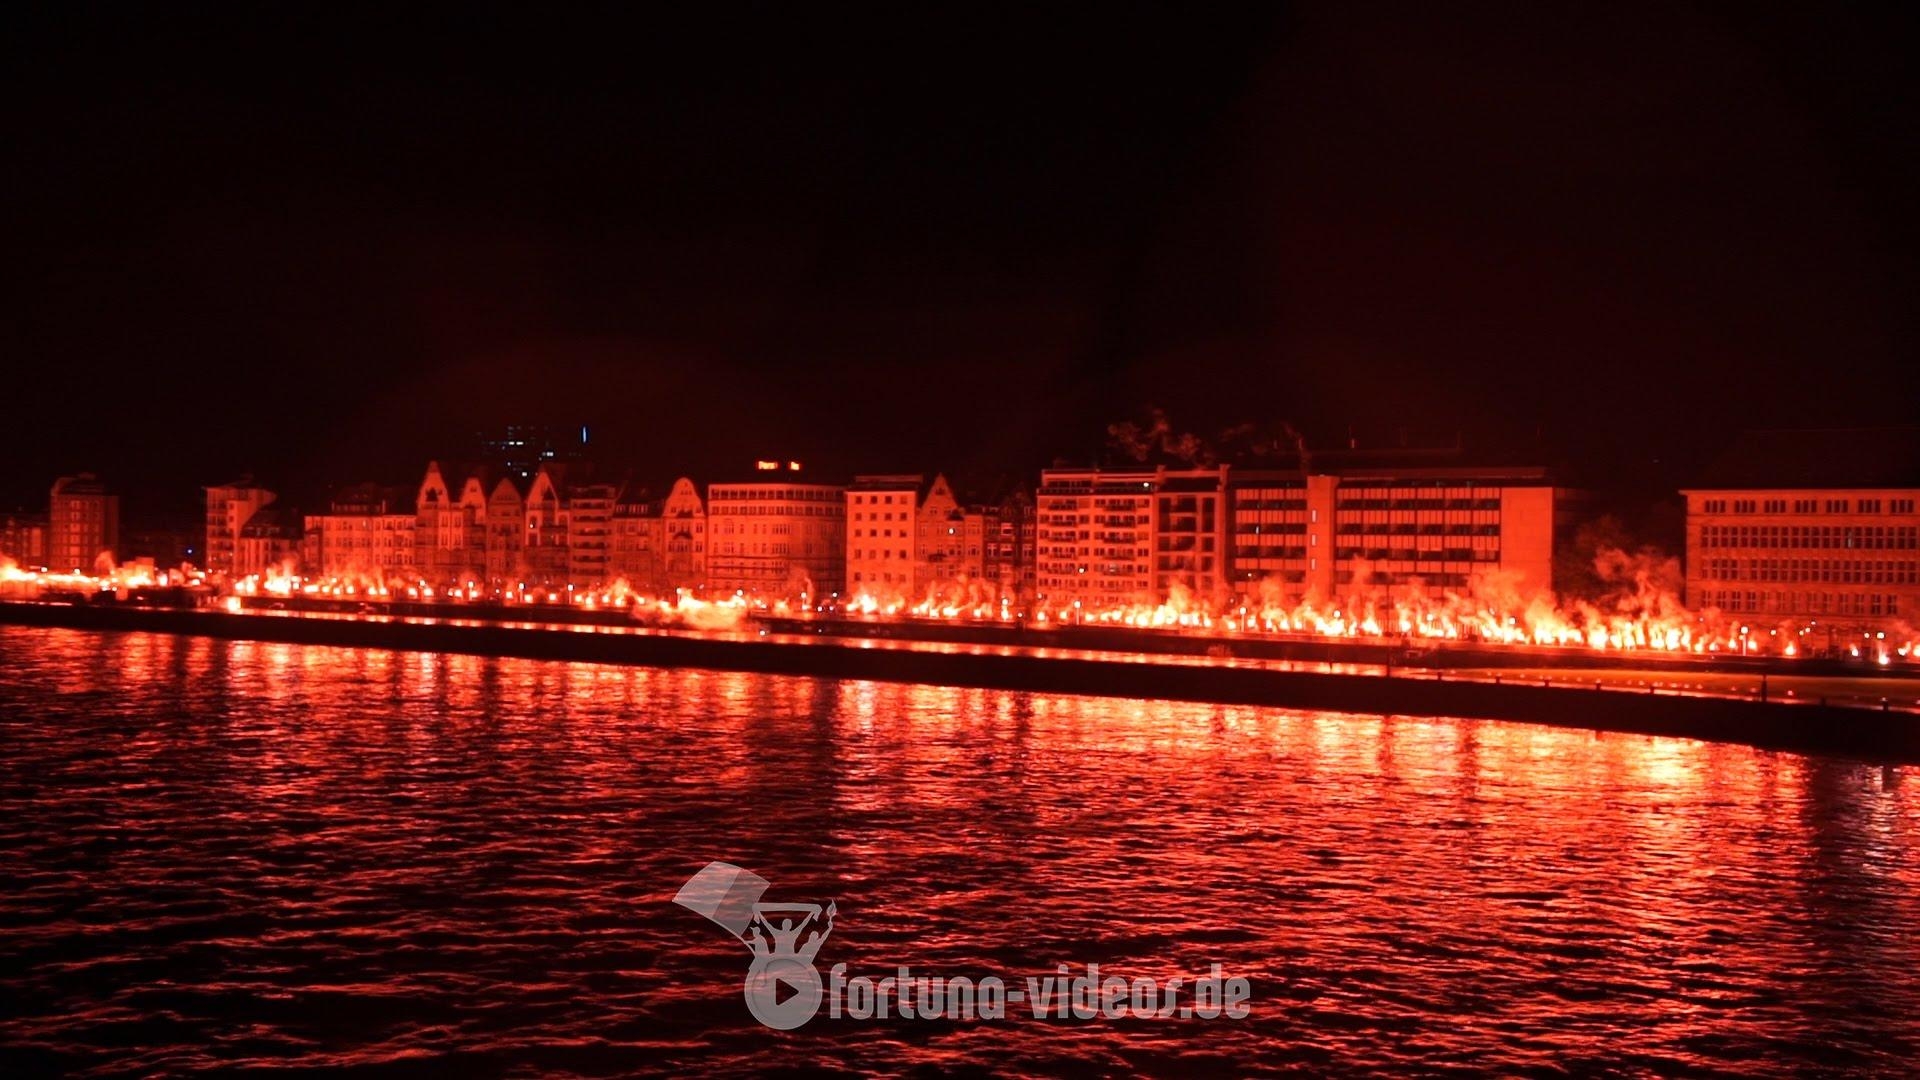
(1815, 530)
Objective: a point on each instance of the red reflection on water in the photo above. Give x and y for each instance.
(321, 856)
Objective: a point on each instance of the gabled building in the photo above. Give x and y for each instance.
(683, 525)
(450, 527)
(270, 541)
(910, 540)
(941, 542)
(506, 531)
(545, 559)
(659, 545)
(229, 508)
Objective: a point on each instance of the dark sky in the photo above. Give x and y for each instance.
(331, 244)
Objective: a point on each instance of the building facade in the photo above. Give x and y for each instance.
(659, 546)
(23, 538)
(269, 542)
(1121, 537)
(1352, 529)
(1010, 544)
(506, 533)
(229, 508)
(883, 537)
(912, 541)
(589, 519)
(775, 535)
(1839, 558)
(1218, 537)
(942, 557)
(83, 524)
(450, 525)
(683, 532)
(545, 559)
(366, 537)
(1815, 531)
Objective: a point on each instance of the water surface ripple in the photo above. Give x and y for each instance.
(273, 857)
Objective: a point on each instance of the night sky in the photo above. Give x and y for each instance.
(330, 245)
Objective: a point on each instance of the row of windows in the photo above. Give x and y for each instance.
(1203, 563)
(718, 493)
(1411, 529)
(1347, 502)
(1269, 551)
(1291, 577)
(1437, 580)
(1476, 486)
(1098, 553)
(1795, 602)
(765, 528)
(777, 549)
(1807, 506)
(779, 510)
(1452, 554)
(1863, 537)
(1187, 521)
(1835, 571)
(1097, 569)
(1062, 535)
(877, 553)
(1128, 502)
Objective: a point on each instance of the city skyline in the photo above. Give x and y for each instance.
(1130, 539)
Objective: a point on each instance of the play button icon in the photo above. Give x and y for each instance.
(782, 992)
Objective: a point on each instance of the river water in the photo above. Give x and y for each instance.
(232, 854)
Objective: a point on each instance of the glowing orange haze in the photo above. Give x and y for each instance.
(1643, 611)
(107, 576)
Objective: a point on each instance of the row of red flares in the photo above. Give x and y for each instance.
(1641, 619)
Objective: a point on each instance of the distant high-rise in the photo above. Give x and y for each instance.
(83, 522)
(520, 449)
